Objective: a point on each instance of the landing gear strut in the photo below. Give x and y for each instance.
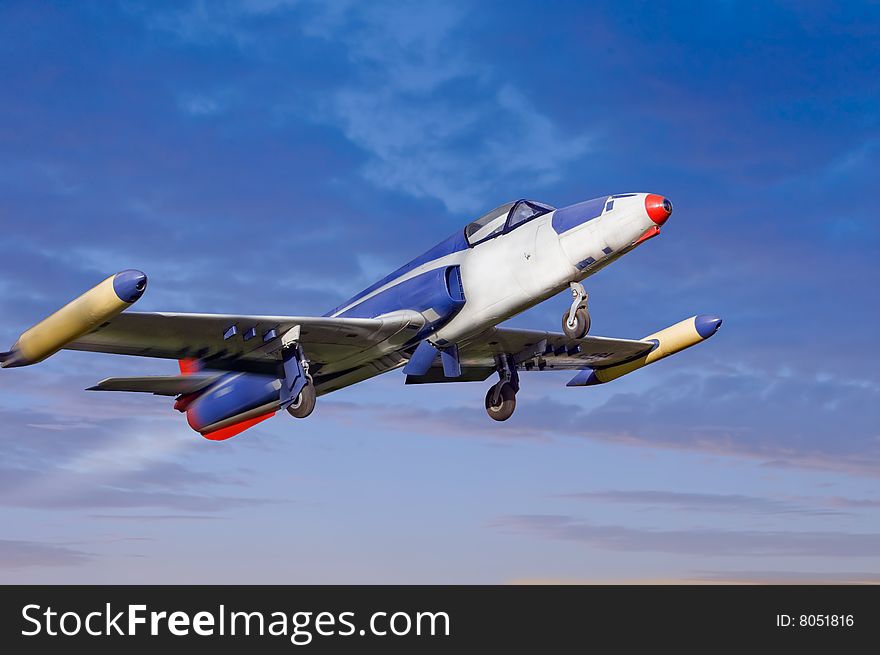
(501, 397)
(576, 321)
(298, 394)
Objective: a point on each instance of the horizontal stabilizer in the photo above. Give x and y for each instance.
(160, 385)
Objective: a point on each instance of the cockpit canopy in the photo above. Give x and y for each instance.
(504, 218)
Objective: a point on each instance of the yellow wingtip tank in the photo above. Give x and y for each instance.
(78, 317)
(668, 341)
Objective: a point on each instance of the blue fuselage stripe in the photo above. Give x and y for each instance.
(454, 243)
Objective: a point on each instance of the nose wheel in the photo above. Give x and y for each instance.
(576, 321)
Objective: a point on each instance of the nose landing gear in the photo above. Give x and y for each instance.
(576, 321)
(501, 397)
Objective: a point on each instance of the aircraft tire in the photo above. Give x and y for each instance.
(304, 403)
(504, 410)
(581, 327)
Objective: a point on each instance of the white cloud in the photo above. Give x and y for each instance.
(422, 138)
(404, 104)
(198, 105)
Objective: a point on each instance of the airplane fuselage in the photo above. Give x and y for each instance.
(504, 275)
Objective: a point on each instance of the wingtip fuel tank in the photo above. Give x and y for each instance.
(78, 317)
(667, 341)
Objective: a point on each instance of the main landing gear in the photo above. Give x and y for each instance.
(501, 397)
(304, 403)
(576, 321)
(298, 394)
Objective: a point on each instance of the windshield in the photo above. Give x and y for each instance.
(526, 210)
(504, 218)
(487, 225)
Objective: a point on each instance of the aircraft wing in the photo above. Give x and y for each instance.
(535, 350)
(549, 350)
(241, 343)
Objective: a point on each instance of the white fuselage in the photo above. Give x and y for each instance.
(504, 275)
(513, 272)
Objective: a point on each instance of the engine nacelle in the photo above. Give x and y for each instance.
(234, 403)
(437, 294)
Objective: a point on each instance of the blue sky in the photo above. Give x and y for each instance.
(277, 157)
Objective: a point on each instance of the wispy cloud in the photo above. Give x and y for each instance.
(21, 554)
(405, 109)
(710, 542)
(139, 518)
(116, 463)
(854, 503)
(786, 577)
(703, 502)
(721, 577)
(791, 422)
(67, 489)
(205, 22)
(197, 104)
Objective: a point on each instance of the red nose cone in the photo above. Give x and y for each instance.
(658, 208)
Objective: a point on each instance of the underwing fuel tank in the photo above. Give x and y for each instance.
(667, 341)
(78, 317)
